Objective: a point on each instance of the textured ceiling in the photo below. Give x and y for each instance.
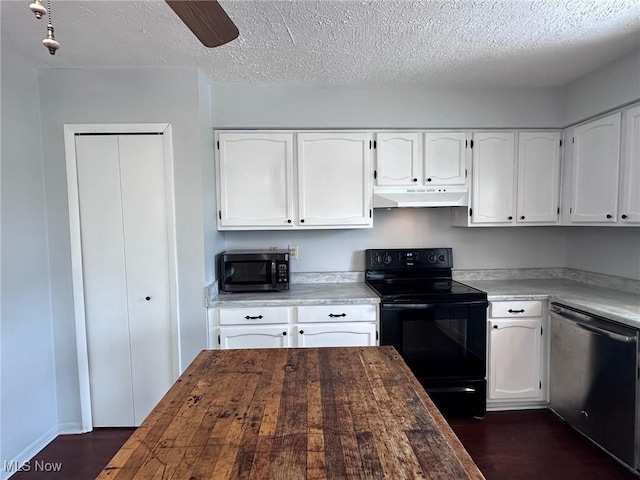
(364, 42)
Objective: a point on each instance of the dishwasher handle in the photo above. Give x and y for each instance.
(583, 321)
(599, 331)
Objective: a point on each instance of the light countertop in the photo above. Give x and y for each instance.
(354, 293)
(616, 305)
(622, 307)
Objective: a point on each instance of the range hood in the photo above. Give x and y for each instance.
(420, 197)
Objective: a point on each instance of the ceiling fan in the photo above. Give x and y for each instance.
(207, 20)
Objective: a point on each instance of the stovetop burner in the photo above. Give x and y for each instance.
(417, 275)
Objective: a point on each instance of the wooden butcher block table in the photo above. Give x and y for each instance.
(313, 413)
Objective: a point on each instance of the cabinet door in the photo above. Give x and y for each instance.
(398, 158)
(630, 193)
(445, 158)
(515, 355)
(334, 185)
(596, 159)
(255, 178)
(493, 177)
(274, 336)
(538, 177)
(336, 335)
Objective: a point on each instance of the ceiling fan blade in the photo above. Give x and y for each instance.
(207, 20)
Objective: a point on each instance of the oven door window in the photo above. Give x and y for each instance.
(247, 273)
(444, 341)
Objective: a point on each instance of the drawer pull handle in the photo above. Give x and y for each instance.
(253, 318)
(516, 311)
(333, 315)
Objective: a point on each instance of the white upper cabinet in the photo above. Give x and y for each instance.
(289, 180)
(493, 183)
(398, 158)
(445, 158)
(596, 159)
(630, 180)
(255, 172)
(538, 177)
(334, 179)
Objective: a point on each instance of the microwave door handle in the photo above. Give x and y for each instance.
(273, 274)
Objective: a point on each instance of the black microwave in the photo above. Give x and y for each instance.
(253, 271)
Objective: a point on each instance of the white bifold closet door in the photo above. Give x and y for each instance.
(125, 261)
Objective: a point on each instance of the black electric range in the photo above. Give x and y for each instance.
(438, 325)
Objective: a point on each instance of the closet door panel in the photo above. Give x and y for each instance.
(147, 263)
(104, 271)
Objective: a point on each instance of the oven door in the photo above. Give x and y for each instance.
(438, 341)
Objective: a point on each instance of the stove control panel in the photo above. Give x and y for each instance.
(380, 259)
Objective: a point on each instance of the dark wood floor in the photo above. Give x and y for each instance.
(517, 445)
(534, 445)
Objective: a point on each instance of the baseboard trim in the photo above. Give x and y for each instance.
(8, 468)
(70, 428)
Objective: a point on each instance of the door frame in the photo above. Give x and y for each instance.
(70, 131)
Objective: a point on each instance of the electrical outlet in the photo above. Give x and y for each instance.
(293, 252)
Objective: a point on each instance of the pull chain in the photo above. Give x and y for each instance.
(50, 41)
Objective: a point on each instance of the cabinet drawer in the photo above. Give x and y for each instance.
(516, 308)
(337, 313)
(253, 316)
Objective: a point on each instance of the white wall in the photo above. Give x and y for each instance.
(214, 240)
(28, 416)
(607, 87)
(238, 106)
(417, 107)
(608, 250)
(150, 95)
(342, 250)
(613, 251)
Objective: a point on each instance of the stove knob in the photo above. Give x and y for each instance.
(386, 259)
(377, 259)
(441, 258)
(432, 258)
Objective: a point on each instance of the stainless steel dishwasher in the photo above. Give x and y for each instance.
(594, 380)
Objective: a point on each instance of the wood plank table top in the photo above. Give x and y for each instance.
(307, 413)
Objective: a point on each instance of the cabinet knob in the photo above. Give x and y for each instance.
(147, 298)
(624, 216)
(284, 333)
(510, 217)
(289, 220)
(302, 220)
(522, 217)
(415, 179)
(301, 332)
(428, 179)
(495, 326)
(609, 215)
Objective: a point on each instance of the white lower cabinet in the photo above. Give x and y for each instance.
(336, 326)
(263, 336)
(293, 326)
(336, 335)
(516, 355)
